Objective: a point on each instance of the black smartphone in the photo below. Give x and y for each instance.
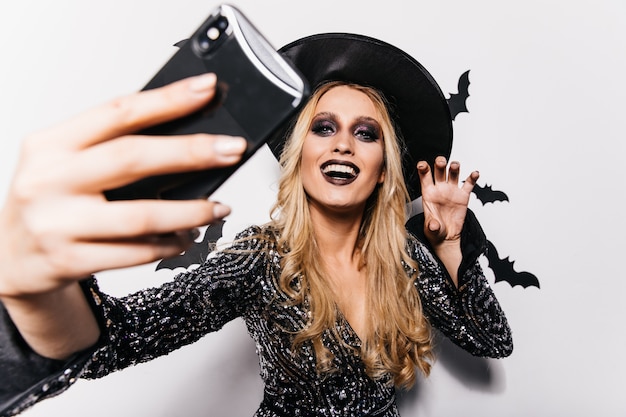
(257, 91)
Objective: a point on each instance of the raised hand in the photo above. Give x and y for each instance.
(445, 206)
(57, 226)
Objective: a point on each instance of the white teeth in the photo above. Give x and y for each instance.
(343, 169)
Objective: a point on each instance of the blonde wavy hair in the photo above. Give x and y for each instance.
(398, 336)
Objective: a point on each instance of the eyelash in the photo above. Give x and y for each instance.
(367, 133)
(326, 128)
(323, 128)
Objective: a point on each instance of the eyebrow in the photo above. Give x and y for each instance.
(325, 114)
(368, 119)
(333, 116)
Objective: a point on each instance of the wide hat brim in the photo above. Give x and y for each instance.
(417, 105)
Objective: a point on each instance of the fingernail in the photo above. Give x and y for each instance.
(220, 210)
(202, 83)
(229, 146)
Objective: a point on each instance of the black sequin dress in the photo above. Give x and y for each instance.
(241, 282)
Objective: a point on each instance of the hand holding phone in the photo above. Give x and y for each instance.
(257, 91)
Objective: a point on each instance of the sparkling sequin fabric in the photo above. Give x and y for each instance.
(241, 282)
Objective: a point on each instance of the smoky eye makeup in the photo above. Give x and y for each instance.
(367, 129)
(363, 128)
(324, 125)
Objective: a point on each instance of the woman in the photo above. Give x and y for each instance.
(338, 297)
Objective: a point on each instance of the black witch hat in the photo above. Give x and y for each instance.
(417, 106)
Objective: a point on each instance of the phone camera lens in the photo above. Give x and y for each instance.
(204, 44)
(222, 23)
(213, 33)
(211, 36)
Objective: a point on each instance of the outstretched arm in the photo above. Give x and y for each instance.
(445, 206)
(58, 228)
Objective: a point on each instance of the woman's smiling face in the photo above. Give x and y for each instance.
(343, 152)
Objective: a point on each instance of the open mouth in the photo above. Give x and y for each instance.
(339, 172)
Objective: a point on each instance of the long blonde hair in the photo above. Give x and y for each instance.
(398, 337)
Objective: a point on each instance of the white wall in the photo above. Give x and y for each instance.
(547, 100)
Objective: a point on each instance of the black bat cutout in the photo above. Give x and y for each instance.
(457, 102)
(503, 270)
(198, 252)
(487, 195)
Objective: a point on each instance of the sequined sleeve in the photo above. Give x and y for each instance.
(138, 327)
(469, 315)
(156, 321)
(27, 377)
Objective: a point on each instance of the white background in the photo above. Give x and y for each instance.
(544, 126)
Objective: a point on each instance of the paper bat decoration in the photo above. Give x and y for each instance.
(198, 252)
(503, 270)
(487, 195)
(457, 102)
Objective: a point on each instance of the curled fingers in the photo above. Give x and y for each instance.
(128, 114)
(119, 162)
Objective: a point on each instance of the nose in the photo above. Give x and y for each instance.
(343, 144)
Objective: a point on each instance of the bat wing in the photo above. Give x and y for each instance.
(179, 261)
(487, 195)
(457, 103)
(198, 252)
(503, 270)
(211, 236)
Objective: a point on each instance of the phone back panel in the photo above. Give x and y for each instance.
(250, 101)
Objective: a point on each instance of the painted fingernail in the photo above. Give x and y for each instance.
(202, 83)
(220, 210)
(229, 146)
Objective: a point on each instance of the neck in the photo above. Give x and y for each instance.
(336, 234)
